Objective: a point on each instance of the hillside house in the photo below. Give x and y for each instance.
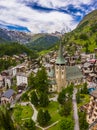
(8, 96)
(22, 78)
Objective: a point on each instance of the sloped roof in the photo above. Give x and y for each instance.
(52, 82)
(86, 64)
(51, 73)
(60, 59)
(8, 93)
(94, 93)
(73, 72)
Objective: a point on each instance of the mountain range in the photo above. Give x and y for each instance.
(85, 35)
(38, 42)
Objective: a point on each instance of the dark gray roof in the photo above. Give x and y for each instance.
(73, 72)
(8, 93)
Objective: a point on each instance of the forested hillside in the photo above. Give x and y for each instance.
(15, 48)
(85, 34)
(41, 42)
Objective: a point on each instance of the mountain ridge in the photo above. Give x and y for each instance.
(85, 33)
(32, 41)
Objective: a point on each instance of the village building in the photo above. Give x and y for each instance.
(92, 109)
(93, 126)
(22, 79)
(51, 77)
(65, 75)
(1, 81)
(8, 96)
(8, 81)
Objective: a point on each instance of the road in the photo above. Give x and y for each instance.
(76, 118)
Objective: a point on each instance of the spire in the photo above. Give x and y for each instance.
(60, 59)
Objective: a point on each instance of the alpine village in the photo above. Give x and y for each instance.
(49, 81)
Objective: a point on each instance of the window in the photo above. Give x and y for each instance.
(62, 67)
(92, 119)
(95, 115)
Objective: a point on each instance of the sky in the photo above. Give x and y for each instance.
(44, 16)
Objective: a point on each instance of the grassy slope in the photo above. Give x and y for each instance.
(21, 113)
(53, 109)
(85, 33)
(41, 42)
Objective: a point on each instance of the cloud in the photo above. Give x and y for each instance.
(43, 15)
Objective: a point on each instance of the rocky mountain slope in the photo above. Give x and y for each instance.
(16, 36)
(33, 41)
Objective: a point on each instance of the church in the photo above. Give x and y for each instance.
(61, 75)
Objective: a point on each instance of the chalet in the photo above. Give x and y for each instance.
(1, 81)
(8, 96)
(22, 78)
(8, 81)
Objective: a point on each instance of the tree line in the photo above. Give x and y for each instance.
(11, 49)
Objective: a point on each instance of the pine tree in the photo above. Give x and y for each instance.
(82, 121)
(41, 118)
(66, 109)
(31, 81)
(62, 97)
(6, 122)
(84, 90)
(30, 125)
(66, 124)
(44, 101)
(47, 116)
(41, 80)
(34, 98)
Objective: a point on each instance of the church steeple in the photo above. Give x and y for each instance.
(60, 59)
(60, 72)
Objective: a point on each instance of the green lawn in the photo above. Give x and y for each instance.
(21, 113)
(38, 128)
(55, 127)
(85, 98)
(53, 109)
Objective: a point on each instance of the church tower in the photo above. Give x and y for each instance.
(60, 71)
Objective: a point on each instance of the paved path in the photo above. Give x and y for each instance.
(47, 126)
(34, 116)
(76, 118)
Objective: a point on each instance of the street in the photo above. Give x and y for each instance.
(76, 118)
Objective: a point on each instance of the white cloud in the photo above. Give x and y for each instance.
(60, 3)
(39, 21)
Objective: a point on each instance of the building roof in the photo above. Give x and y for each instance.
(1, 78)
(52, 82)
(8, 93)
(94, 93)
(51, 73)
(73, 72)
(87, 65)
(60, 59)
(22, 74)
(91, 89)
